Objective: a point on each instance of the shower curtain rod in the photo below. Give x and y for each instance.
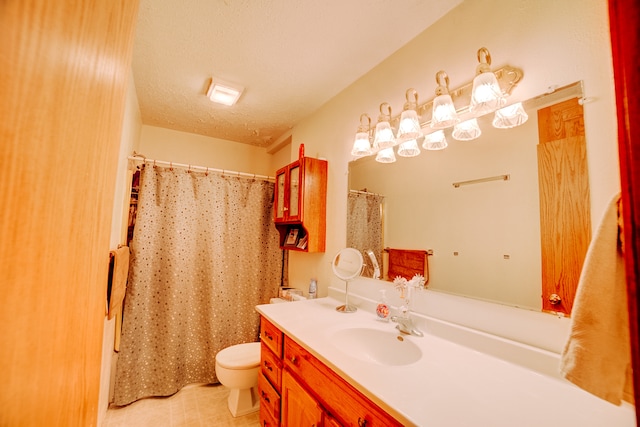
(369, 193)
(142, 159)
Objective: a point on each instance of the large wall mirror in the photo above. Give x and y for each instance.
(485, 235)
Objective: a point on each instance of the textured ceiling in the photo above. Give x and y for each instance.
(291, 56)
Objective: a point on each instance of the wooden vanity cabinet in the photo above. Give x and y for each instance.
(300, 204)
(299, 407)
(297, 389)
(339, 399)
(270, 376)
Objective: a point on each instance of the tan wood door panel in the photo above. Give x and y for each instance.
(565, 220)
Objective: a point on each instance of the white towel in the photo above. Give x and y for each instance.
(597, 355)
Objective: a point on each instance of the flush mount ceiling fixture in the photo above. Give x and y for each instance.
(223, 92)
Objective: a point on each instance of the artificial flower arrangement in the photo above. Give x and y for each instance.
(402, 284)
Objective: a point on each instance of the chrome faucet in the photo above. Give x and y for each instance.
(405, 323)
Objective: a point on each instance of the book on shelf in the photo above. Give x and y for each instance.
(292, 237)
(302, 243)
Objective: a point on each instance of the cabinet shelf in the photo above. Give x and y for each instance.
(301, 203)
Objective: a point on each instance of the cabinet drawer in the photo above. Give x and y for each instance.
(266, 418)
(271, 367)
(339, 398)
(271, 336)
(269, 398)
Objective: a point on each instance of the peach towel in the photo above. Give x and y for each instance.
(597, 355)
(119, 281)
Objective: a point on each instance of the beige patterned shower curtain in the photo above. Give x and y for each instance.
(204, 254)
(364, 226)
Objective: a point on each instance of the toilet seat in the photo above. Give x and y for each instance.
(239, 356)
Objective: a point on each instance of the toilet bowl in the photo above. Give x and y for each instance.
(237, 369)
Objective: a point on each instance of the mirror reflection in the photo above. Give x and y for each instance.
(485, 235)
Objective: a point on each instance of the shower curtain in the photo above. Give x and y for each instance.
(364, 226)
(204, 253)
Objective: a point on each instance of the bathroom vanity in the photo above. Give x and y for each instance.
(334, 369)
(296, 388)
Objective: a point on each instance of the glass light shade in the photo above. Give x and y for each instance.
(435, 141)
(511, 116)
(361, 145)
(444, 113)
(486, 95)
(409, 127)
(386, 155)
(467, 130)
(409, 148)
(384, 135)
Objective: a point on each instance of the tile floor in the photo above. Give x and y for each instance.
(193, 406)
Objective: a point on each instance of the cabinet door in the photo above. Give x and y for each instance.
(294, 192)
(280, 195)
(299, 408)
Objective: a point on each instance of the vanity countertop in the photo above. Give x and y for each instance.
(451, 384)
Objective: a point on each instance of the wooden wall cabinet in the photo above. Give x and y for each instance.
(300, 204)
(308, 392)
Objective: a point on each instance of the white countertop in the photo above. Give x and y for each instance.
(451, 384)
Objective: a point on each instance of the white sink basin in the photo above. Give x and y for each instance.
(372, 345)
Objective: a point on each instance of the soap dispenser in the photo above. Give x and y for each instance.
(382, 309)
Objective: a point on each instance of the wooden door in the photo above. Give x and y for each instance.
(64, 68)
(299, 408)
(565, 218)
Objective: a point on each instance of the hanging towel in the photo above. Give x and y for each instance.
(119, 279)
(406, 263)
(597, 355)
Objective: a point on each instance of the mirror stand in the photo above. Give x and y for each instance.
(347, 265)
(346, 308)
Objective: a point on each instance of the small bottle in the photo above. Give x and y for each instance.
(313, 288)
(382, 310)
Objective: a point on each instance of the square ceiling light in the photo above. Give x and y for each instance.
(224, 92)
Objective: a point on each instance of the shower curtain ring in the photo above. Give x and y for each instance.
(206, 173)
(189, 170)
(154, 163)
(171, 166)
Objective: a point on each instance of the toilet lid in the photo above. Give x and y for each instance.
(239, 356)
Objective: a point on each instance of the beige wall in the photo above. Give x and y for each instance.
(555, 43)
(182, 147)
(131, 126)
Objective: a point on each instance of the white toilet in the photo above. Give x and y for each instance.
(237, 368)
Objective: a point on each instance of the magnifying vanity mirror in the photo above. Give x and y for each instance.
(487, 236)
(347, 265)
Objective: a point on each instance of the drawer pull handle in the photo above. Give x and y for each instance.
(294, 359)
(361, 422)
(267, 366)
(265, 397)
(268, 335)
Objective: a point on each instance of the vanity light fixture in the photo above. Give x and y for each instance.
(384, 136)
(224, 93)
(409, 127)
(361, 144)
(435, 141)
(486, 95)
(444, 113)
(409, 148)
(510, 116)
(386, 155)
(467, 130)
(456, 108)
